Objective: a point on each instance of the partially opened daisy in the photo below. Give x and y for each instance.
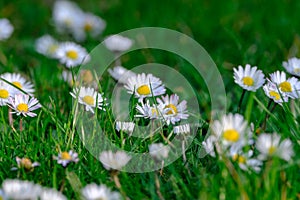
(47, 46)
(126, 127)
(51, 194)
(5, 93)
(121, 74)
(159, 151)
(94, 191)
(64, 158)
(174, 110)
(292, 66)
(88, 97)
(148, 111)
(26, 163)
(114, 161)
(269, 145)
(208, 145)
(145, 85)
(6, 29)
(19, 82)
(118, 43)
(249, 78)
(23, 104)
(71, 54)
(182, 129)
(290, 86)
(272, 91)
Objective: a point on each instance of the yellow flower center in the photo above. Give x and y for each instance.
(65, 156)
(72, 54)
(274, 94)
(26, 163)
(247, 80)
(87, 76)
(173, 109)
(231, 135)
(235, 157)
(22, 107)
(242, 159)
(285, 86)
(4, 94)
(88, 27)
(88, 100)
(17, 84)
(143, 90)
(272, 149)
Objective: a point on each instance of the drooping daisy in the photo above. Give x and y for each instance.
(5, 92)
(208, 145)
(94, 191)
(71, 54)
(148, 111)
(71, 79)
(292, 66)
(143, 85)
(269, 145)
(114, 161)
(18, 189)
(127, 127)
(88, 97)
(159, 151)
(47, 46)
(290, 86)
(23, 104)
(26, 163)
(182, 129)
(273, 93)
(118, 43)
(174, 111)
(121, 74)
(64, 158)
(6, 29)
(51, 194)
(249, 78)
(19, 82)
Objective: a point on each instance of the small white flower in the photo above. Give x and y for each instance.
(249, 78)
(150, 111)
(19, 82)
(273, 93)
(71, 54)
(174, 111)
(182, 129)
(143, 86)
(47, 46)
(114, 161)
(94, 191)
(26, 164)
(290, 86)
(21, 190)
(292, 66)
(88, 97)
(51, 194)
(5, 92)
(127, 127)
(208, 145)
(269, 145)
(23, 104)
(6, 29)
(121, 74)
(159, 151)
(118, 43)
(64, 158)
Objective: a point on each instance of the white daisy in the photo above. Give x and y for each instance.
(290, 86)
(174, 111)
(269, 145)
(51, 194)
(271, 90)
(5, 92)
(6, 29)
(114, 161)
(26, 163)
(71, 79)
(118, 43)
(71, 54)
(159, 151)
(88, 97)
(94, 191)
(127, 127)
(146, 110)
(64, 158)
(19, 82)
(292, 66)
(121, 74)
(23, 104)
(182, 129)
(47, 46)
(208, 145)
(18, 189)
(249, 78)
(143, 85)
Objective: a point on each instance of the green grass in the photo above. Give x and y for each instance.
(261, 33)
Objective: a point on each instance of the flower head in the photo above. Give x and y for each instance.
(19, 82)
(94, 191)
(292, 66)
(47, 46)
(274, 93)
(64, 158)
(51, 194)
(125, 126)
(121, 74)
(26, 163)
(114, 161)
(182, 129)
(118, 43)
(5, 93)
(148, 111)
(159, 151)
(6, 29)
(22, 104)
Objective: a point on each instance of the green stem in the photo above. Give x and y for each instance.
(241, 101)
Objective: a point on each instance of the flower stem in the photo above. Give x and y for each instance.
(268, 116)
(241, 101)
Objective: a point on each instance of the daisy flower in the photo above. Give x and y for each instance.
(290, 86)
(71, 54)
(88, 97)
(143, 85)
(249, 78)
(26, 163)
(273, 93)
(182, 129)
(6, 29)
(148, 111)
(51, 194)
(47, 46)
(64, 158)
(23, 104)
(114, 161)
(292, 66)
(121, 74)
(67, 76)
(19, 82)
(18, 189)
(269, 145)
(159, 151)
(208, 145)
(127, 127)
(174, 111)
(5, 92)
(94, 191)
(118, 43)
